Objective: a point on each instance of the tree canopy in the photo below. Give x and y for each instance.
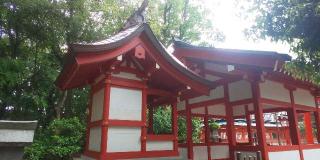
(34, 38)
(296, 22)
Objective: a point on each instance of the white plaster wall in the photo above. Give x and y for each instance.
(211, 77)
(126, 75)
(124, 139)
(200, 153)
(181, 105)
(183, 155)
(159, 145)
(304, 97)
(12, 135)
(218, 109)
(198, 110)
(239, 90)
(125, 104)
(284, 155)
(311, 154)
(216, 67)
(239, 110)
(219, 152)
(274, 90)
(214, 94)
(95, 139)
(97, 105)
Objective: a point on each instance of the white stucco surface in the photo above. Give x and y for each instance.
(284, 155)
(214, 94)
(200, 152)
(124, 139)
(304, 97)
(311, 154)
(275, 91)
(181, 105)
(125, 104)
(95, 139)
(159, 145)
(126, 75)
(219, 152)
(239, 90)
(97, 105)
(218, 109)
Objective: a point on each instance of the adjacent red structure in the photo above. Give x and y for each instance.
(131, 72)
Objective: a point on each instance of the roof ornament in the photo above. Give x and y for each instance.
(138, 16)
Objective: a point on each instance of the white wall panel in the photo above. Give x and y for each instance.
(124, 139)
(284, 155)
(239, 110)
(181, 105)
(125, 104)
(216, 67)
(214, 94)
(200, 152)
(218, 109)
(239, 90)
(97, 105)
(126, 75)
(198, 110)
(219, 152)
(304, 97)
(159, 145)
(311, 154)
(95, 139)
(274, 90)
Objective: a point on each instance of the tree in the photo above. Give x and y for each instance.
(34, 35)
(296, 22)
(183, 19)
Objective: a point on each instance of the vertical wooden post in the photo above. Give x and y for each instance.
(150, 120)
(293, 121)
(207, 133)
(189, 131)
(317, 116)
(105, 120)
(175, 125)
(230, 123)
(308, 127)
(258, 108)
(248, 119)
(144, 120)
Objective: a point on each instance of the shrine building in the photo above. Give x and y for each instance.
(131, 73)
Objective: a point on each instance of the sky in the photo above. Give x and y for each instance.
(224, 15)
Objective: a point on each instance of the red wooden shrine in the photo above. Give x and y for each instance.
(131, 72)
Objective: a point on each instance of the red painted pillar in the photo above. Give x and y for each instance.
(231, 133)
(261, 131)
(105, 121)
(175, 125)
(189, 131)
(144, 119)
(293, 120)
(207, 133)
(308, 127)
(317, 116)
(248, 119)
(150, 120)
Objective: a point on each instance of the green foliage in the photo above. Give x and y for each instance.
(296, 22)
(34, 35)
(183, 19)
(59, 140)
(213, 125)
(162, 120)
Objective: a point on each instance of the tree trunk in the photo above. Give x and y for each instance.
(59, 106)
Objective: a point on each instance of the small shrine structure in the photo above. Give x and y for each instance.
(131, 73)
